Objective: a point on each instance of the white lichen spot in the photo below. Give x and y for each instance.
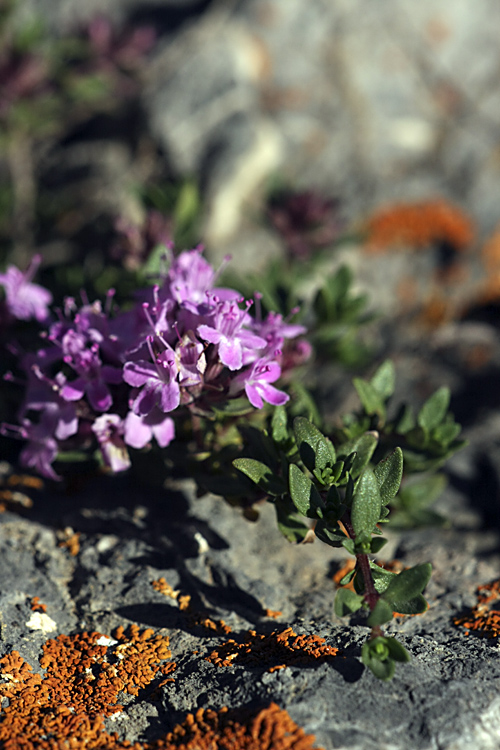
(118, 716)
(104, 640)
(202, 543)
(41, 621)
(106, 542)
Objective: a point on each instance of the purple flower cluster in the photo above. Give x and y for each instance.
(114, 379)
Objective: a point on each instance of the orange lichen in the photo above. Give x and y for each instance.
(435, 311)
(165, 588)
(484, 618)
(270, 728)
(489, 290)
(10, 498)
(37, 606)
(275, 650)
(84, 675)
(490, 253)
(71, 541)
(194, 618)
(272, 613)
(25, 480)
(418, 225)
(66, 707)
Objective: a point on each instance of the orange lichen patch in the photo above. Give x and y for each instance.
(84, 675)
(435, 312)
(270, 728)
(165, 588)
(490, 253)
(25, 480)
(418, 225)
(279, 648)
(484, 618)
(37, 606)
(195, 619)
(8, 499)
(218, 627)
(71, 541)
(272, 613)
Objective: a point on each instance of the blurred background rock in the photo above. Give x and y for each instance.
(368, 104)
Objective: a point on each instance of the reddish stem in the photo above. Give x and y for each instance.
(363, 562)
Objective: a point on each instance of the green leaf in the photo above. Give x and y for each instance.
(405, 420)
(377, 544)
(347, 602)
(422, 493)
(408, 584)
(293, 529)
(304, 494)
(383, 670)
(417, 605)
(397, 650)
(154, 262)
(434, 410)
(420, 517)
(236, 407)
(334, 537)
(279, 425)
(446, 433)
(381, 577)
(364, 447)
(384, 380)
(388, 474)
(347, 578)
(187, 207)
(375, 655)
(316, 451)
(382, 612)
(261, 475)
(366, 503)
(370, 398)
(348, 544)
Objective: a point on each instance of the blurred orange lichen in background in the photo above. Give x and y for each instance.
(418, 225)
(483, 618)
(490, 257)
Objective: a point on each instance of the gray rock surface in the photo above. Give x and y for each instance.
(132, 534)
(370, 102)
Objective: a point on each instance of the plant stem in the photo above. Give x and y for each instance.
(363, 562)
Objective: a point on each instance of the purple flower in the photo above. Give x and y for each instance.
(42, 448)
(256, 382)
(23, 299)
(191, 361)
(139, 431)
(108, 428)
(275, 330)
(93, 376)
(44, 394)
(157, 383)
(228, 333)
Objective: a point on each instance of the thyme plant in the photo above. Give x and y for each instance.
(188, 365)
